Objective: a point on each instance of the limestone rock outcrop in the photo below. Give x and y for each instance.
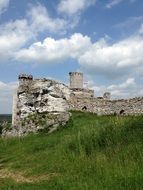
(42, 96)
(41, 104)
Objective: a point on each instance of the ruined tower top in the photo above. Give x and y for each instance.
(25, 79)
(76, 80)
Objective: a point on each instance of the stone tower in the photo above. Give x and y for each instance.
(24, 82)
(25, 79)
(76, 80)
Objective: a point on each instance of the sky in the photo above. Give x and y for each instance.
(50, 38)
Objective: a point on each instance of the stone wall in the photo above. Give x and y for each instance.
(108, 107)
(84, 93)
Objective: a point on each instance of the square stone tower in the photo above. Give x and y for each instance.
(76, 80)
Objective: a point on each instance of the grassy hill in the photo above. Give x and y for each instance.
(5, 117)
(91, 153)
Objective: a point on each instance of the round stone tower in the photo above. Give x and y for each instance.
(25, 79)
(76, 80)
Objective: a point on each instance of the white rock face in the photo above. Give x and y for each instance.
(41, 104)
(43, 96)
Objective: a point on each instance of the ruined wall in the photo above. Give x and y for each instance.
(84, 93)
(44, 103)
(43, 95)
(108, 107)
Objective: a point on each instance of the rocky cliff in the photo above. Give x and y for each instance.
(41, 104)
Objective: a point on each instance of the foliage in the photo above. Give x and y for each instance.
(5, 122)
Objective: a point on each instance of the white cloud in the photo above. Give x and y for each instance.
(16, 34)
(6, 94)
(130, 22)
(127, 89)
(112, 3)
(13, 35)
(116, 60)
(69, 7)
(130, 82)
(40, 20)
(3, 5)
(52, 50)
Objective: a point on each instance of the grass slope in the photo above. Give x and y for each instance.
(92, 153)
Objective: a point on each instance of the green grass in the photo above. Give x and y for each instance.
(91, 153)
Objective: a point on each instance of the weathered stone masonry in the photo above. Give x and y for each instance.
(44, 95)
(108, 107)
(83, 99)
(44, 103)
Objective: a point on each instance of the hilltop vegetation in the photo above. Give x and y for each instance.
(5, 121)
(90, 153)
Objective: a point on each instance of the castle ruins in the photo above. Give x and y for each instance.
(84, 99)
(46, 96)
